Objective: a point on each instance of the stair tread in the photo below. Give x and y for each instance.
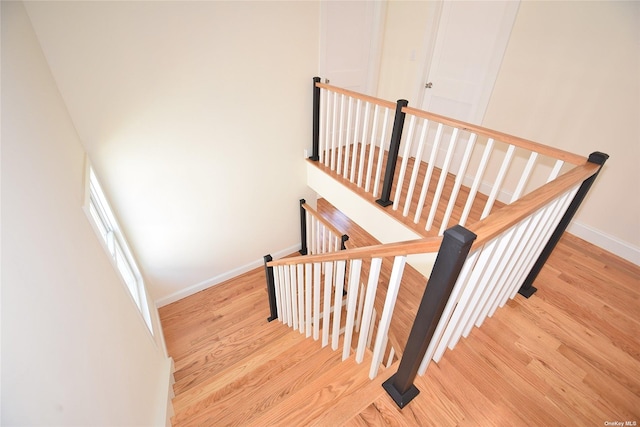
(224, 352)
(270, 382)
(318, 397)
(207, 391)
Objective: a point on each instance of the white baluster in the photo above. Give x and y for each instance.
(322, 131)
(498, 182)
(522, 251)
(376, 182)
(317, 284)
(354, 156)
(504, 269)
(556, 170)
(309, 225)
(416, 167)
(372, 148)
(372, 324)
(458, 183)
(349, 141)
(294, 296)
(489, 279)
(337, 302)
(328, 287)
(301, 310)
(392, 352)
(341, 135)
(276, 287)
(360, 307)
(524, 178)
(352, 299)
(462, 311)
(551, 218)
(438, 334)
(334, 131)
(387, 313)
(308, 276)
(324, 239)
(318, 242)
(405, 160)
(327, 138)
(282, 307)
(488, 149)
(287, 289)
(363, 145)
(443, 178)
(364, 340)
(427, 178)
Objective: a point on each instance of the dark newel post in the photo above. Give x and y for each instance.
(315, 155)
(343, 239)
(271, 289)
(303, 228)
(527, 289)
(453, 252)
(394, 148)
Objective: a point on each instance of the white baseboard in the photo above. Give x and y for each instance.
(183, 293)
(607, 242)
(168, 410)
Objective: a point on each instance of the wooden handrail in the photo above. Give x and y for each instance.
(322, 219)
(486, 229)
(408, 247)
(367, 98)
(508, 216)
(556, 153)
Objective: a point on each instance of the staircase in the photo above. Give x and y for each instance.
(235, 368)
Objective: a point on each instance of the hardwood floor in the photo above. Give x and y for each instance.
(569, 355)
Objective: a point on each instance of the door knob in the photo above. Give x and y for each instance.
(428, 85)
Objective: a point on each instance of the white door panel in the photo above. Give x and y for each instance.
(350, 43)
(470, 43)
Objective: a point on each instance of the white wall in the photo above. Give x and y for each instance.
(195, 116)
(75, 350)
(570, 79)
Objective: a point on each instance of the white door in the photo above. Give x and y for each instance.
(470, 42)
(350, 43)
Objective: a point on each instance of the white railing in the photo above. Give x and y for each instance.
(449, 172)
(493, 274)
(354, 130)
(339, 294)
(321, 235)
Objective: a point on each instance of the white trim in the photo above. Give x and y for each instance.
(605, 241)
(166, 412)
(183, 293)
